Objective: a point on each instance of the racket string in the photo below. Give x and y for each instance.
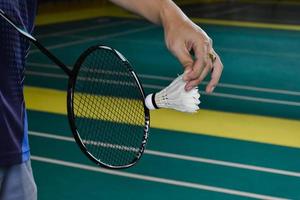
(91, 107)
(110, 106)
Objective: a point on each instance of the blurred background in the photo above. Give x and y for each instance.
(244, 143)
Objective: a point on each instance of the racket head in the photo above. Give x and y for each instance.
(106, 109)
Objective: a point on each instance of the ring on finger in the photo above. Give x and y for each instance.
(213, 57)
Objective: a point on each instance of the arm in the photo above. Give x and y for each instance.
(181, 36)
(153, 10)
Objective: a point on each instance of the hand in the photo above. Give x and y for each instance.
(181, 36)
(185, 36)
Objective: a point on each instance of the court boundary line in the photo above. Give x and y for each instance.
(186, 158)
(89, 39)
(41, 36)
(246, 24)
(229, 11)
(117, 12)
(286, 2)
(218, 48)
(155, 179)
(168, 78)
(255, 99)
(216, 94)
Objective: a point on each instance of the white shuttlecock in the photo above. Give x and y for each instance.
(175, 97)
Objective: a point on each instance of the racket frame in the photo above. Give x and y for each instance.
(70, 107)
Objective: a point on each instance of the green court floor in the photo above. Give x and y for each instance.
(260, 78)
(271, 11)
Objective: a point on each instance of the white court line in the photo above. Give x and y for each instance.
(59, 33)
(257, 89)
(225, 49)
(165, 78)
(155, 179)
(150, 86)
(102, 37)
(255, 99)
(110, 145)
(61, 76)
(187, 158)
(261, 53)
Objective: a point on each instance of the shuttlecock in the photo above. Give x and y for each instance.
(175, 97)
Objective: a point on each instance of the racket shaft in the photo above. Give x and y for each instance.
(36, 43)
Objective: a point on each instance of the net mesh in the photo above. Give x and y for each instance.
(109, 113)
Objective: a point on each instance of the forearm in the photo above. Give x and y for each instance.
(157, 11)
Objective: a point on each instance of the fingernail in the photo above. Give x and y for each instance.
(188, 88)
(212, 89)
(185, 77)
(187, 71)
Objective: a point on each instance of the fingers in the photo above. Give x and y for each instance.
(216, 74)
(184, 57)
(191, 84)
(192, 38)
(200, 62)
(205, 59)
(213, 65)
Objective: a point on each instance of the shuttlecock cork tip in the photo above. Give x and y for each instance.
(175, 97)
(150, 102)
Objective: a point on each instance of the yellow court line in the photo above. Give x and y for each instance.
(113, 11)
(276, 2)
(188, 2)
(214, 123)
(247, 24)
(272, 2)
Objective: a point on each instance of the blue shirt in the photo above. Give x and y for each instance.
(14, 148)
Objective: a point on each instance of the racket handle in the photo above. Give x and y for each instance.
(150, 102)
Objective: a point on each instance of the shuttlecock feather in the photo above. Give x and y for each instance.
(175, 97)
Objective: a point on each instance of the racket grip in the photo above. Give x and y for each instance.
(150, 102)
